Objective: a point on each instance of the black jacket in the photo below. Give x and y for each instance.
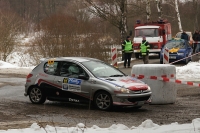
(185, 36)
(196, 36)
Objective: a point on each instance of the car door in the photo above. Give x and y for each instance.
(73, 89)
(46, 79)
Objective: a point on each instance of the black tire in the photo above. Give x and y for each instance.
(186, 60)
(103, 101)
(37, 96)
(137, 55)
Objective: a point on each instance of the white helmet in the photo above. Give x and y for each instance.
(73, 69)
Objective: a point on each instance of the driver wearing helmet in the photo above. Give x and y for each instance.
(73, 71)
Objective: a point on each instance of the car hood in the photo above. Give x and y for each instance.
(175, 50)
(126, 82)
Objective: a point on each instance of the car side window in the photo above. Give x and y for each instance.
(51, 67)
(72, 70)
(64, 69)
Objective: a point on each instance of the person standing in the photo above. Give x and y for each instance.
(195, 38)
(197, 50)
(127, 49)
(185, 36)
(144, 50)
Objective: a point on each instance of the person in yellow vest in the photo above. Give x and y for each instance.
(144, 50)
(127, 49)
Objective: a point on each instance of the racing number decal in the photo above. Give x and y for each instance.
(65, 80)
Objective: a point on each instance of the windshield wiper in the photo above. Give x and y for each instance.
(116, 75)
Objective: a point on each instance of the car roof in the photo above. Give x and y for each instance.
(78, 59)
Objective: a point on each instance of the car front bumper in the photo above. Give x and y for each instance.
(132, 99)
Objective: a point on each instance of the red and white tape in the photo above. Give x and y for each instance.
(196, 42)
(114, 56)
(166, 79)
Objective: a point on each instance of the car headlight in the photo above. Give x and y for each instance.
(149, 89)
(123, 89)
(180, 53)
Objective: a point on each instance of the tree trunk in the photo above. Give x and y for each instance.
(159, 8)
(148, 10)
(178, 16)
(124, 27)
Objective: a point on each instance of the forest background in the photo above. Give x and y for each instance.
(83, 27)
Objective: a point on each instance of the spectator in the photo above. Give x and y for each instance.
(184, 36)
(144, 50)
(127, 49)
(197, 50)
(195, 37)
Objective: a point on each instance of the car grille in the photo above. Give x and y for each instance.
(138, 99)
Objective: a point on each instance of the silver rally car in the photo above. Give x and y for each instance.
(84, 80)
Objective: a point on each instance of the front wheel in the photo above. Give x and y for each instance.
(103, 101)
(37, 96)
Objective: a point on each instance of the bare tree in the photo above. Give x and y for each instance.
(114, 11)
(159, 8)
(148, 10)
(196, 5)
(10, 25)
(178, 15)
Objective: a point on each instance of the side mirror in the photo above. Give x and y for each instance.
(83, 77)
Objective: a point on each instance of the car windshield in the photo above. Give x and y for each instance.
(100, 69)
(175, 44)
(146, 32)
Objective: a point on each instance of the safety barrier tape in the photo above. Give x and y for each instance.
(185, 58)
(166, 79)
(196, 42)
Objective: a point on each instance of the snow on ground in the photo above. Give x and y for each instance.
(146, 127)
(190, 71)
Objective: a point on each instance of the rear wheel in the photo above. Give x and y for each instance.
(186, 60)
(37, 96)
(103, 101)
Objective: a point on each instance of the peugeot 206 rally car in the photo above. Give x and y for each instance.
(179, 51)
(84, 80)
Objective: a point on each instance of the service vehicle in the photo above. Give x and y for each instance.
(84, 80)
(156, 33)
(179, 51)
